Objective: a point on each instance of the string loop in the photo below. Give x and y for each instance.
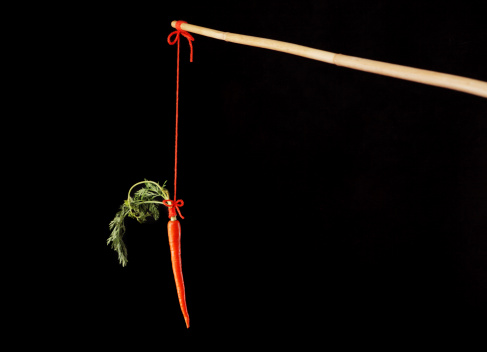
(175, 205)
(185, 34)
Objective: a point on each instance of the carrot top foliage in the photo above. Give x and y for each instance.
(142, 206)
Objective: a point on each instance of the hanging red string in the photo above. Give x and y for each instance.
(177, 33)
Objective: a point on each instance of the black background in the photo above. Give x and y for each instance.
(322, 204)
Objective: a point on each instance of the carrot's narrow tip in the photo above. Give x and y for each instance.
(186, 319)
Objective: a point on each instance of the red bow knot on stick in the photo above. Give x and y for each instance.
(185, 34)
(173, 207)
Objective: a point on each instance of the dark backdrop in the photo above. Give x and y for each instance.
(322, 204)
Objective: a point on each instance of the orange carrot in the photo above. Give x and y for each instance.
(174, 233)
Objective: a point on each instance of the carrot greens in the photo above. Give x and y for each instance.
(142, 207)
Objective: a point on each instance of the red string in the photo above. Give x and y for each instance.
(173, 207)
(178, 32)
(185, 34)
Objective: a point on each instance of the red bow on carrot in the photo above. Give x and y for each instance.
(185, 34)
(173, 207)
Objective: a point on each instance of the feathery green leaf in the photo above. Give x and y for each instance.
(143, 206)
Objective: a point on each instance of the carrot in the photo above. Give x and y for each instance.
(174, 234)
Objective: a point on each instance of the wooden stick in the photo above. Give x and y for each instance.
(462, 84)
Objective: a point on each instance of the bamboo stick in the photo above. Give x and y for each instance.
(462, 84)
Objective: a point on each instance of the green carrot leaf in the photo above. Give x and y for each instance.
(142, 206)
(117, 225)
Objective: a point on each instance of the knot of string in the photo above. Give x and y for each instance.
(177, 33)
(172, 206)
